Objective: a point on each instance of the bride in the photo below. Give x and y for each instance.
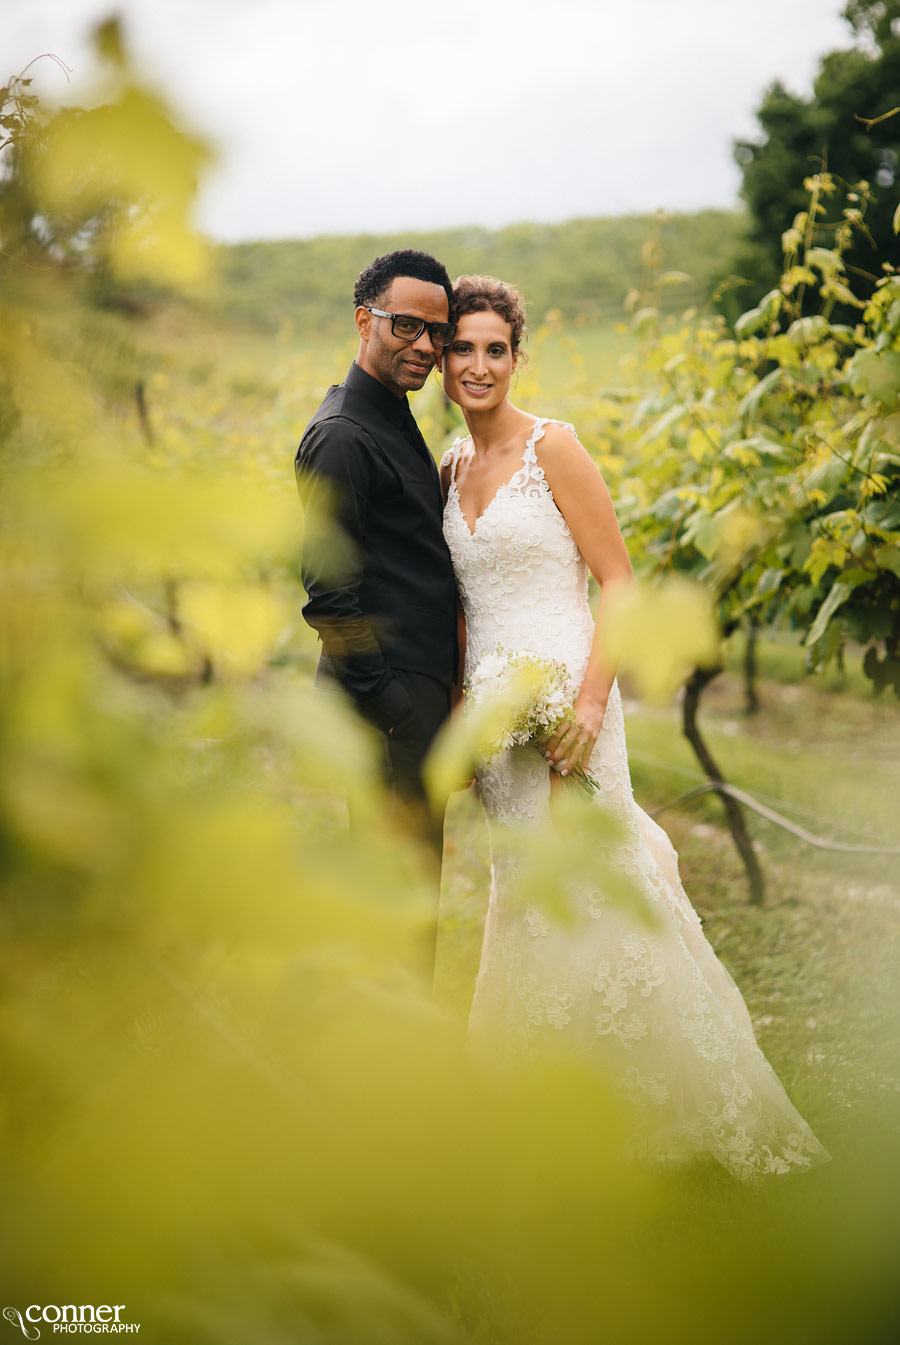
(527, 517)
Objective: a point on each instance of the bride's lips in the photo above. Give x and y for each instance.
(477, 389)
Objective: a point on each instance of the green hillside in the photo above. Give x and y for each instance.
(583, 268)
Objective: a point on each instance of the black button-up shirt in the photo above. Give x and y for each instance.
(380, 586)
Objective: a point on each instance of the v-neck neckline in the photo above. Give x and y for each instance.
(472, 529)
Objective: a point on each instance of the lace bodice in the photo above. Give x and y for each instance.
(522, 580)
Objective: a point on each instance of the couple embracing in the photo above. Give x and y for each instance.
(427, 571)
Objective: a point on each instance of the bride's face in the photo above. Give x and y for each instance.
(478, 364)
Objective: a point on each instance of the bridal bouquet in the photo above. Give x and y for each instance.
(523, 698)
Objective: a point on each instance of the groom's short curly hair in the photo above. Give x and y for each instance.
(484, 294)
(373, 282)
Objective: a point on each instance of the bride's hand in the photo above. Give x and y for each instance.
(573, 744)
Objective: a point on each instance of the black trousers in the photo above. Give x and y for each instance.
(408, 744)
(405, 751)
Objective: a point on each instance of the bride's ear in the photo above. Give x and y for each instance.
(438, 357)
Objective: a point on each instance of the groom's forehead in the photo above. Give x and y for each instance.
(419, 298)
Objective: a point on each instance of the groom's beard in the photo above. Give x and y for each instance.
(402, 370)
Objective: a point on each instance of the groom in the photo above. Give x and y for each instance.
(376, 569)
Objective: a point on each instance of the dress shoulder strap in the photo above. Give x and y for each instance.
(537, 433)
(451, 458)
(529, 457)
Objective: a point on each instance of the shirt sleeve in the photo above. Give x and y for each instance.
(336, 472)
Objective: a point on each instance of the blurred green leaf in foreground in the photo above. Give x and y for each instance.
(229, 1102)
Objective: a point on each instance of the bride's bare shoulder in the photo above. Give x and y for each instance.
(559, 448)
(556, 432)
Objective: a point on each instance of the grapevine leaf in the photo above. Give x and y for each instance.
(791, 241)
(825, 260)
(751, 402)
(837, 596)
(771, 303)
(797, 275)
(702, 532)
(645, 322)
(888, 558)
(856, 578)
(876, 374)
(808, 331)
(760, 444)
(659, 427)
(675, 278)
(749, 323)
(834, 289)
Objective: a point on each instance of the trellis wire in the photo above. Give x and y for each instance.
(753, 802)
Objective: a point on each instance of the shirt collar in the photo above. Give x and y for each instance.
(396, 409)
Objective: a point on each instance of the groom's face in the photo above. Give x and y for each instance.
(402, 366)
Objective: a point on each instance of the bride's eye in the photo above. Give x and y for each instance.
(461, 348)
(497, 351)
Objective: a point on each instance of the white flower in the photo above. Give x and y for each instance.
(490, 668)
(539, 690)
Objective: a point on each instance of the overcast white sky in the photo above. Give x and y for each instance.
(344, 116)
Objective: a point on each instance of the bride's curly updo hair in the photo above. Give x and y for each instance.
(484, 294)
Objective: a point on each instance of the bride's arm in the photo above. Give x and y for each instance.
(456, 691)
(444, 471)
(584, 501)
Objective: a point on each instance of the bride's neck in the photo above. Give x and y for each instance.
(493, 427)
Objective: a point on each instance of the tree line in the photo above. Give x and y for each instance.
(580, 269)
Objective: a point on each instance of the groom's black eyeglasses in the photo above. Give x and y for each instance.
(410, 328)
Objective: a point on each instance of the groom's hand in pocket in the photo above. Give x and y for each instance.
(404, 726)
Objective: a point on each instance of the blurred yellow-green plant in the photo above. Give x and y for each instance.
(230, 1103)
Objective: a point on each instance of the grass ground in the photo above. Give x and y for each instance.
(817, 964)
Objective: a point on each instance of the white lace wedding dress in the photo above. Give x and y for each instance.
(651, 1002)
